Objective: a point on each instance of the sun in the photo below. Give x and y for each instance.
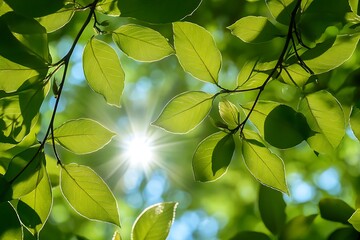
(139, 151)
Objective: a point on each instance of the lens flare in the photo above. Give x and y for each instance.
(139, 151)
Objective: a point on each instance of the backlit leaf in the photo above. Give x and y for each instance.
(272, 209)
(285, 128)
(103, 70)
(116, 236)
(295, 75)
(355, 121)
(331, 53)
(212, 157)
(264, 165)
(35, 8)
(253, 29)
(281, 10)
(34, 208)
(245, 72)
(141, 43)
(10, 228)
(88, 194)
(326, 120)
(108, 7)
(196, 50)
(23, 174)
(336, 210)
(154, 222)
(354, 220)
(229, 113)
(57, 20)
(184, 112)
(82, 135)
(160, 11)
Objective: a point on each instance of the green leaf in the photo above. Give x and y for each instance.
(212, 156)
(35, 8)
(184, 112)
(336, 210)
(354, 5)
(253, 29)
(23, 174)
(108, 7)
(103, 70)
(264, 165)
(229, 113)
(355, 121)
(116, 236)
(10, 228)
(260, 112)
(59, 19)
(20, 112)
(297, 228)
(53, 170)
(197, 52)
(160, 11)
(88, 194)
(29, 33)
(285, 128)
(344, 233)
(281, 10)
(82, 135)
(272, 209)
(331, 53)
(354, 220)
(154, 222)
(250, 235)
(142, 43)
(245, 72)
(295, 75)
(325, 117)
(34, 208)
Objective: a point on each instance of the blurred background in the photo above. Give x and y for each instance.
(144, 165)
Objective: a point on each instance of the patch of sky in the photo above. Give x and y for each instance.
(328, 180)
(300, 190)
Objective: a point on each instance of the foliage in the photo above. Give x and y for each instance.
(281, 100)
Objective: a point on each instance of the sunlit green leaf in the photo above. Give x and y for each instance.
(229, 113)
(53, 170)
(335, 210)
(154, 222)
(260, 112)
(160, 11)
(325, 117)
(297, 228)
(82, 135)
(20, 112)
(184, 112)
(196, 51)
(354, 220)
(344, 233)
(142, 43)
(250, 235)
(57, 20)
(295, 75)
(281, 10)
(103, 70)
(10, 227)
(264, 165)
(116, 236)
(253, 29)
(285, 128)
(88, 194)
(212, 157)
(34, 208)
(245, 72)
(108, 7)
(354, 5)
(331, 53)
(29, 33)
(23, 174)
(272, 209)
(355, 121)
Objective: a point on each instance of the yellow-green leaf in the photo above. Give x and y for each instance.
(83, 135)
(354, 220)
(154, 222)
(265, 166)
(103, 70)
(88, 194)
(326, 119)
(142, 43)
(355, 121)
(34, 208)
(108, 7)
(229, 113)
(57, 20)
(184, 112)
(116, 236)
(212, 157)
(254, 29)
(197, 52)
